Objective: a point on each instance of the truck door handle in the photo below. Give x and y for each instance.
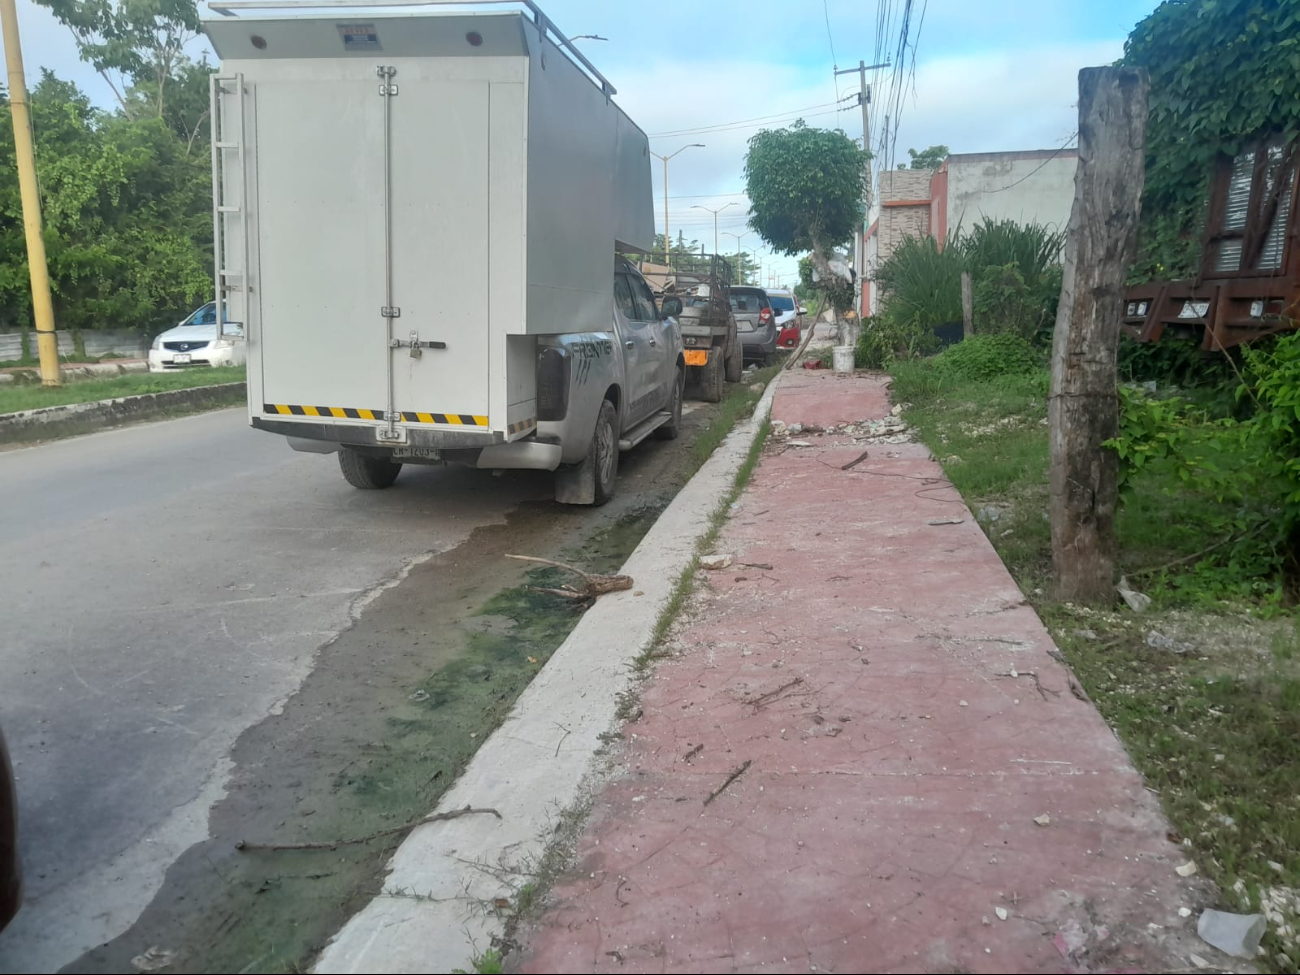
(653, 342)
(629, 344)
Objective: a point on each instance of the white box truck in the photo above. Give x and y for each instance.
(418, 219)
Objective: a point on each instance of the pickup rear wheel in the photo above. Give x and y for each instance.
(367, 472)
(604, 453)
(673, 427)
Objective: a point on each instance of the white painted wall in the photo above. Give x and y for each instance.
(1025, 187)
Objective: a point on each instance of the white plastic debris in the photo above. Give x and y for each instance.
(1002, 913)
(1184, 912)
(1186, 869)
(1238, 935)
(1043, 820)
(1137, 601)
(716, 562)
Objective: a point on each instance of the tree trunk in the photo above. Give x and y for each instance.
(1084, 406)
(967, 307)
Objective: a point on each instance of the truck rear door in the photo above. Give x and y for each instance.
(371, 190)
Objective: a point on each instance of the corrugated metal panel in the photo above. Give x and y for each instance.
(1270, 257)
(1236, 210)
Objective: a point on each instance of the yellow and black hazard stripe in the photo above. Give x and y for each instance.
(349, 413)
(522, 426)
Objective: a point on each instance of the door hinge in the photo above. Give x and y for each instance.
(390, 311)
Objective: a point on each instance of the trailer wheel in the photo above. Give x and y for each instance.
(735, 360)
(671, 429)
(367, 472)
(711, 379)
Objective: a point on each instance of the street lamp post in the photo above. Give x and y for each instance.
(668, 241)
(739, 237)
(715, 220)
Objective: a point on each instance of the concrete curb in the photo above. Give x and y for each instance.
(435, 909)
(91, 370)
(74, 418)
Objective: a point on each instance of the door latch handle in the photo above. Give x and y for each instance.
(653, 342)
(629, 344)
(415, 345)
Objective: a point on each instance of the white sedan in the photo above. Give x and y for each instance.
(194, 342)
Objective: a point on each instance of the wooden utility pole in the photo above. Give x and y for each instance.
(1084, 406)
(967, 306)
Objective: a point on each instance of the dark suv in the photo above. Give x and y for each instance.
(755, 321)
(11, 872)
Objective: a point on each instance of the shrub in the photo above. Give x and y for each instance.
(921, 283)
(1031, 248)
(886, 340)
(990, 356)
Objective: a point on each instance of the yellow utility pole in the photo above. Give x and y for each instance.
(42, 308)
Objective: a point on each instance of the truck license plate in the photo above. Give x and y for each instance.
(697, 357)
(181, 360)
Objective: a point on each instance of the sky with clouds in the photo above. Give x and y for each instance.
(989, 75)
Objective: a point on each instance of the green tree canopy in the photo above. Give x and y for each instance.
(805, 188)
(931, 158)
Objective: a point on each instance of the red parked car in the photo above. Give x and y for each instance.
(11, 871)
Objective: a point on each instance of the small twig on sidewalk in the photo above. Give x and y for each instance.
(693, 752)
(766, 566)
(736, 773)
(856, 461)
(378, 834)
(770, 696)
(1042, 691)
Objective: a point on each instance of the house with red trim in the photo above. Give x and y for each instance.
(1028, 186)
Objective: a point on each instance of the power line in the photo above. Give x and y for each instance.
(830, 36)
(792, 112)
(1059, 149)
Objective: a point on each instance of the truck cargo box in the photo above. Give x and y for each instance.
(403, 204)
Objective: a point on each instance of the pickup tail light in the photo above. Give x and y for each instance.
(765, 316)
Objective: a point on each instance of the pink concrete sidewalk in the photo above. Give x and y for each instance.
(921, 791)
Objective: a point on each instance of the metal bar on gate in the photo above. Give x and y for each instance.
(229, 8)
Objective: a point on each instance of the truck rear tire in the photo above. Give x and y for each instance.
(671, 429)
(604, 453)
(367, 472)
(735, 360)
(711, 379)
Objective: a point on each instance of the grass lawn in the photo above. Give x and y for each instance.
(16, 398)
(1204, 688)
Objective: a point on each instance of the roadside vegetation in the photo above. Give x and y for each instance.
(17, 397)
(1204, 687)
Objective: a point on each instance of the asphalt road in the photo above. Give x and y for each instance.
(165, 587)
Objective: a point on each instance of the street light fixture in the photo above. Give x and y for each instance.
(668, 241)
(715, 213)
(739, 237)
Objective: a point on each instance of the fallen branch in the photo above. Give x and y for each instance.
(855, 462)
(737, 773)
(771, 696)
(593, 584)
(821, 303)
(378, 834)
(693, 752)
(766, 566)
